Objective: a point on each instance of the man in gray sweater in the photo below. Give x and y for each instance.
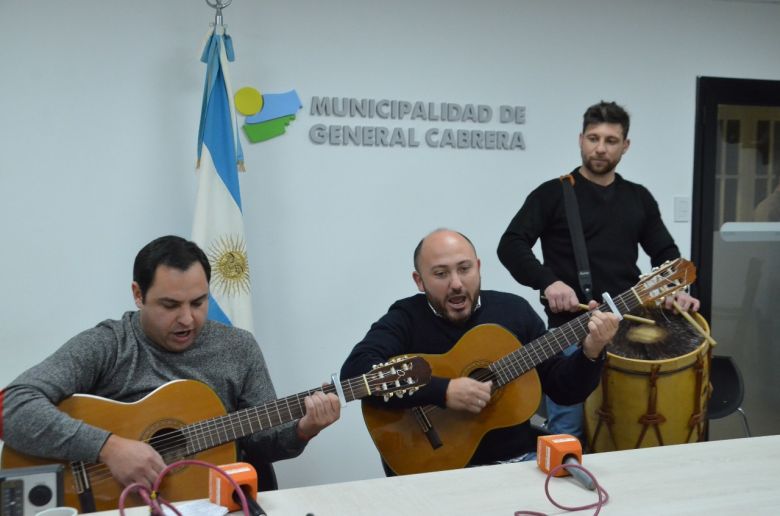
(167, 338)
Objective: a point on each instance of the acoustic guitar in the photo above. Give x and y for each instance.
(429, 438)
(186, 419)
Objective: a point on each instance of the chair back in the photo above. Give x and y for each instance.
(728, 390)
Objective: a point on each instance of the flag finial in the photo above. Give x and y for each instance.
(218, 5)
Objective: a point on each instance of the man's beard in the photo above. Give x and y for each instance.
(600, 170)
(442, 311)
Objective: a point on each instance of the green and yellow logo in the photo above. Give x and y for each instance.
(266, 115)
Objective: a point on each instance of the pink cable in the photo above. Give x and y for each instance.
(602, 493)
(156, 502)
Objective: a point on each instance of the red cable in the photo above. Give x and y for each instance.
(156, 502)
(602, 493)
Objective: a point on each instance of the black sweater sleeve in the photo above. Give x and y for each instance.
(515, 249)
(655, 238)
(569, 380)
(565, 379)
(389, 337)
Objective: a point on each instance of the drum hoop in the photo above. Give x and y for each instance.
(647, 373)
(635, 361)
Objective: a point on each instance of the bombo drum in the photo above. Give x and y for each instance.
(655, 385)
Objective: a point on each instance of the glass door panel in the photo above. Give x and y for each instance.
(745, 276)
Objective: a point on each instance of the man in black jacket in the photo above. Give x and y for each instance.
(616, 215)
(447, 272)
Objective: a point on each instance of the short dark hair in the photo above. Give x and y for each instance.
(417, 249)
(606, 113)
(171, 251)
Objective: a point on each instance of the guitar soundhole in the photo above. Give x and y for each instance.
(170, 443)
(482, 374)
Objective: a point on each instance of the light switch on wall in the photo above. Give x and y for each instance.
(682, 209)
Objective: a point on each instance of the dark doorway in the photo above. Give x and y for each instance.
(735, 239)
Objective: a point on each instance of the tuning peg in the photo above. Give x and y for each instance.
(387, 397)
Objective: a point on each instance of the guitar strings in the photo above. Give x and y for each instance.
(629, 299)
(207, 427)
(505, 367)
(100, 472)
(176, 440)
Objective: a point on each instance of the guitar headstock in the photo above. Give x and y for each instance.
(398, 376)
(665, 280)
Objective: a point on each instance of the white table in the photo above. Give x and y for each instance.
(738, 476)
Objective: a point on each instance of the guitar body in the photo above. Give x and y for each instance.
(398, 435)
(200, 429)
(190, 400)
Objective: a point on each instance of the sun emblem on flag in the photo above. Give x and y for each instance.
(229, 265)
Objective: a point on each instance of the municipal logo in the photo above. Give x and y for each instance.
(267, 115)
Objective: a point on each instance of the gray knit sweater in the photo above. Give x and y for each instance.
(116, 360)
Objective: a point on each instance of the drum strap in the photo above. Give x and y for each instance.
(577, 236)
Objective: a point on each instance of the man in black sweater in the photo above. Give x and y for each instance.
(616, 215)
(447, 272)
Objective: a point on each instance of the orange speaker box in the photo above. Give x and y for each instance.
(552, 450)
(221, 490)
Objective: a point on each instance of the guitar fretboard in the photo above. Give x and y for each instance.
(522, 360)
(224, 429)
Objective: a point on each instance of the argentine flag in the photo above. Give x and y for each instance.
(218, 227)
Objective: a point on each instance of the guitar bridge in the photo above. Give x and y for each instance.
(83, 486)
(427, 427)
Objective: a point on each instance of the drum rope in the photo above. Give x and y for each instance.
(652, 417)
(697, 418)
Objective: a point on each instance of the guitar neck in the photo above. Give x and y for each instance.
(223, 429)
(519, 362)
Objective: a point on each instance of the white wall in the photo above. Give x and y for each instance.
(99, 108)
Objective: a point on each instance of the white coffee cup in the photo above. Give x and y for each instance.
(58, 511)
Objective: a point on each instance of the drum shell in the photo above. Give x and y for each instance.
(638, 415)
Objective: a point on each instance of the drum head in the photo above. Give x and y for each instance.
(671, 336)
